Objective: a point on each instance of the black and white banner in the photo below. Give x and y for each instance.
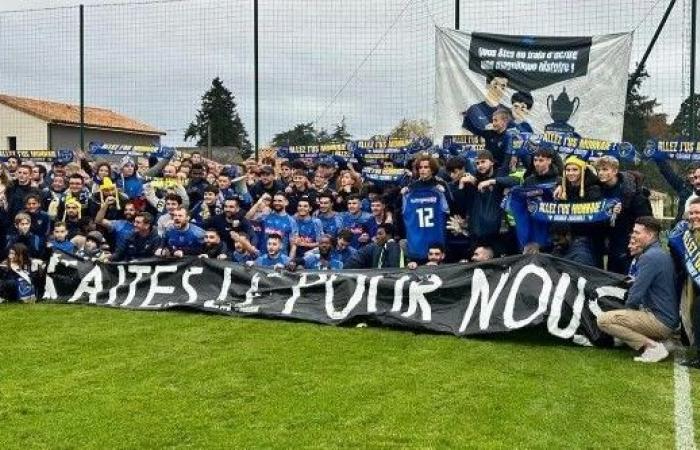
(570, 85)
(498, 296)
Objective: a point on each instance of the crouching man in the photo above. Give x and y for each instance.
(651, 310)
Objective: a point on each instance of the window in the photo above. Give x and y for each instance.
(12, 143)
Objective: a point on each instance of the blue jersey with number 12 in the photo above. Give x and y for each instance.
(424, 213)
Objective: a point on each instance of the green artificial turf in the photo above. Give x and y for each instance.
(76, 377)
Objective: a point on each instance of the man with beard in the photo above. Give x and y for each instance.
(74, 220)
(321, 258)
(277, 221)
(634, 204)
(330, 220)
(121, 229)
(231, 220)
(383, 252)
(482, 196)
(274, 258)
(213, 248)
(142, 243)
(182, 238)
(266, 185)
(436, 255)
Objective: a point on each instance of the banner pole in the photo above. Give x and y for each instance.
(693, 121)
(82, 80)
(255, 76)
(456, 14)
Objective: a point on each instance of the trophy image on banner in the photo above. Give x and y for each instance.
(561, 110)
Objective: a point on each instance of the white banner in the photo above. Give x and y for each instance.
(574, 85)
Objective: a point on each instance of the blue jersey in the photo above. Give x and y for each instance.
(331, 224)
(357, 224)
(282, 224)
(424, 214)
(309, 230)
(313, 261)
(122, 229)
(266, 261)
(190, 241)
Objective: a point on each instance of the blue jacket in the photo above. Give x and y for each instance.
(654, 288)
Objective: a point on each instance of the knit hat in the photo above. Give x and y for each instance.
(581, 164)
(96, 237)
(107, 185)
(127, 161)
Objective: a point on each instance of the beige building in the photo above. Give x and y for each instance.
(34, 124)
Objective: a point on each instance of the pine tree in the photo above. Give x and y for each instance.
(219, 109)
(681, 124)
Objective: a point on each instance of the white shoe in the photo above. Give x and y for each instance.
(653, 354)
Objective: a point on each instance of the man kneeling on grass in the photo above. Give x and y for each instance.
(651, 310)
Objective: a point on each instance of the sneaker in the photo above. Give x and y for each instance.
(653, 354)
(693, 363)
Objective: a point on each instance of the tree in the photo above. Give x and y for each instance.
(411, 129)
(307, 134)
(681, 124)
(640, 124)
(219, 110)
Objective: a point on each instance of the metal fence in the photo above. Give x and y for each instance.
(320, 61)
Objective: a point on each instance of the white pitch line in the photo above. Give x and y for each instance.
(683, 406)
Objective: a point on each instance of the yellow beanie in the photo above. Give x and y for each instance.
(574, 160)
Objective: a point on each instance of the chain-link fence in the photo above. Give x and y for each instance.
(371, 63)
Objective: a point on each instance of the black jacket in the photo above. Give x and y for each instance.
(370, 256)
(138, 247)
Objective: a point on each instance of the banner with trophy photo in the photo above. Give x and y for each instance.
(570, 85)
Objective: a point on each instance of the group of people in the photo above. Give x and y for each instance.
(295, 215)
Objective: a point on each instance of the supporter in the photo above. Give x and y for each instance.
(39, 176)
(497, 141)
(690, 291)
(379, 215)
(651, 309)
(277, 221)
(349, 184)
(243, 250)
(228, 190)
(425, 209)
(209, 207)
(383, 252)
(60, 241)
(482, 253)
(54, 196)
(102, 170)
(482, 196)
(309, 228)
(182, 238)
(213, 246)
(41, 222)
(343, 251)
(634, 204)
(357, 221)
(142, 243)
(156, 195)
(286, 173)
(327, 168)
(12, 164)
(19, 189)
(115, 209)
(121, 229)
(299, 188)
(129, 181)
(330, 220)
(573, 248)
(165, 220)
(544, 169)
(78, 192)
(16, 280)
(274, 258)
(322, 257)
(456, 169)
(74, 220)
(684, 187)
(321, 183)
(266, 185)
(94, 248)
(198, 182)
(231, 220)
(436, 255)
(22, 234)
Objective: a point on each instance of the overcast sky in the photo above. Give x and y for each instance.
(320, 60)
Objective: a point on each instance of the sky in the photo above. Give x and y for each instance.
(321, 61)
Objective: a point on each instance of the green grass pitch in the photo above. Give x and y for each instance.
(88, 377)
